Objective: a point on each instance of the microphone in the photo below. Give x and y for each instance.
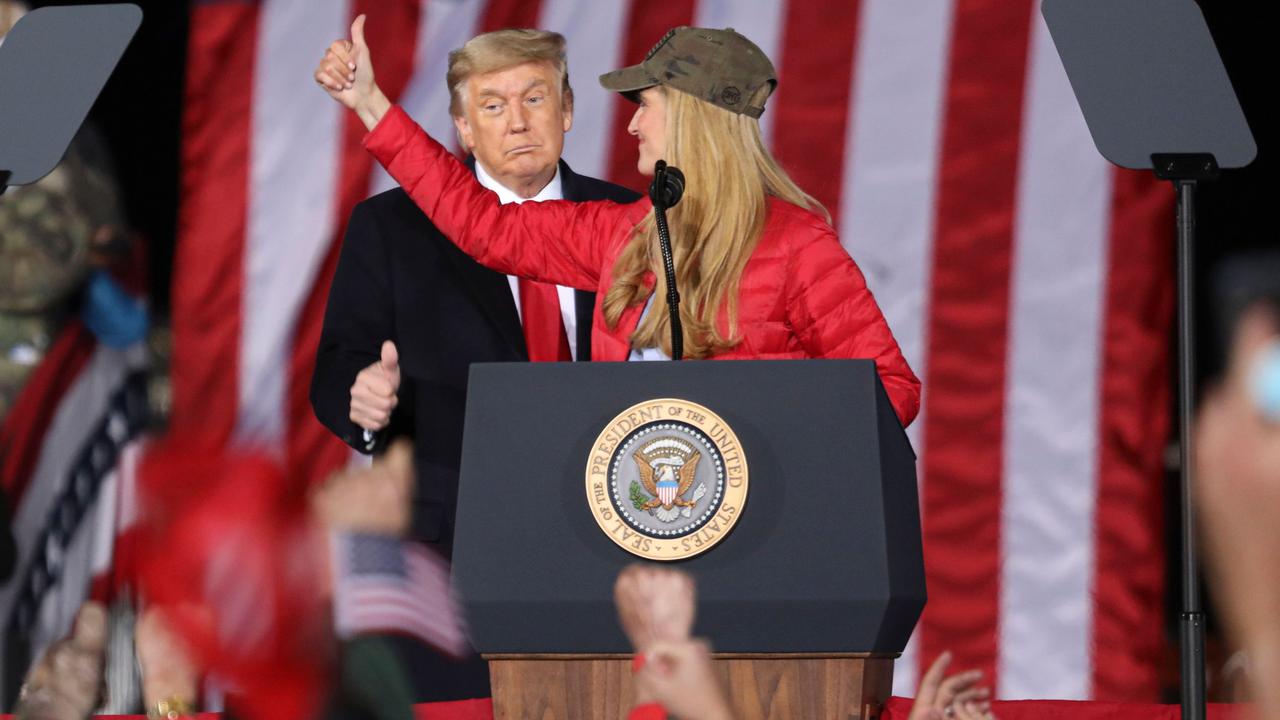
(665, 191)
(668, 185)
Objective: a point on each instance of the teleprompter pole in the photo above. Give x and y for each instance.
(1186, 171)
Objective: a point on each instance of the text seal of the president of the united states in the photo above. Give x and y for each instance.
(667, 479)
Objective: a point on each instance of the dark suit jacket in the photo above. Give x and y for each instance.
(399, 279)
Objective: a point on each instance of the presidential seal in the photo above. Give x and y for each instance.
(667, 479)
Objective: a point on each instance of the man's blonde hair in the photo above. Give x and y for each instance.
(503, 49)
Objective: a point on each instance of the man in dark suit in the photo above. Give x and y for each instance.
(408, 312)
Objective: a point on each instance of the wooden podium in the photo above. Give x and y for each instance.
(806, 600)
(761, 687)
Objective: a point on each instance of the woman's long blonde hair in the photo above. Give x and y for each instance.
(728, 175)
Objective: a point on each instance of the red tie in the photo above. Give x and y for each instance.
(543, 329)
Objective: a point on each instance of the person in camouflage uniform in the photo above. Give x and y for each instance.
(53, 233)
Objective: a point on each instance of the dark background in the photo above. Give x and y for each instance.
(140, 114)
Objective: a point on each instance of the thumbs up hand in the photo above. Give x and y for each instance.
(373, 395)
(346, 74)
(390, 364)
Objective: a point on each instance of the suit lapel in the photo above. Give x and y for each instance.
(491, 291)
(584, 302)
(584, 310)
(570, 185)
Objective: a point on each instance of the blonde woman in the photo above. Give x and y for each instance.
(760, 271)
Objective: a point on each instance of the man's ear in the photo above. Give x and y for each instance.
(568, 118)
(465, 136)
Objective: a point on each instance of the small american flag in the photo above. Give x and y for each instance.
(385, 584)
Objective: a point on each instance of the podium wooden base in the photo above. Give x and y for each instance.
(761, 687)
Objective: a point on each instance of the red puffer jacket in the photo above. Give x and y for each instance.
(801, 294)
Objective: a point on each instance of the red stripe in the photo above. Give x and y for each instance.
(407, 626)
(312, 451)
(371, 607)
(500, 14)
(121, 576)
(815, 79)
(208, 265)
(368, 608)
(129, 547)
(968, 321)
(1134, 425)
(370, 603)
(481, 709)
(22, 435)
(646, 24)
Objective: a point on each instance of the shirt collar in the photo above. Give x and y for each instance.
(553, 190)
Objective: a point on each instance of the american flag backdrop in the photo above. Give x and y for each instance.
(1027, 281)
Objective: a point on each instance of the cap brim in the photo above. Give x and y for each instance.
(629, 81)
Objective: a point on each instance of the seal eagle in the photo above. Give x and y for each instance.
(667, 477)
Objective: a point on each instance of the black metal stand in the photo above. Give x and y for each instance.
(4, 180)
(1185, 171)
(1155, 94)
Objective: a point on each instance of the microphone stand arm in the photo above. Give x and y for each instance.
(668, 261)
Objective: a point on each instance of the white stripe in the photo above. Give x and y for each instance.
(444, 26)
(593, 32)
(130, 511)
(1051, 405)
(890, 178)
(292, 187)
(906, 669)
(101, 527)
(760, 21)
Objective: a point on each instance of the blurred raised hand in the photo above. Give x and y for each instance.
(66, 683)
(679, 675)
(370, 500)
(169, 675)
(654, 603)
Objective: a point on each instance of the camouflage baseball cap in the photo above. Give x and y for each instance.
(718, 66)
